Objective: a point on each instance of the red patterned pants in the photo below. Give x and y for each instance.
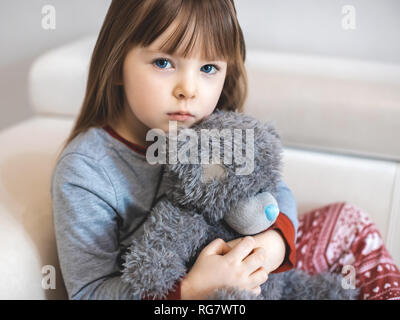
(341, 234)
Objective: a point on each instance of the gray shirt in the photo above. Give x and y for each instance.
(102, 191)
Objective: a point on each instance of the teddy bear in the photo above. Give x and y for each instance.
(220, 184)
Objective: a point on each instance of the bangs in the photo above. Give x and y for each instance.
(206, 25)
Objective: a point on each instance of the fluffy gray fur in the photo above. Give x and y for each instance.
(190, 216)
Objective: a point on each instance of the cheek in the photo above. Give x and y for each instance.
(213, 93)
(144, 90)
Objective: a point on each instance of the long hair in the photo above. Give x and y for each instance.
(132, 23)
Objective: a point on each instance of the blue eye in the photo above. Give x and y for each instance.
(210, 66)
(162, 65)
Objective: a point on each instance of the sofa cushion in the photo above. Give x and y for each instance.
(328, 104)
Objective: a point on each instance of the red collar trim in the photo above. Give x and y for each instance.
(135, 147)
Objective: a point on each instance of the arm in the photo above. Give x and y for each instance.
(275, 246)
(86, 227)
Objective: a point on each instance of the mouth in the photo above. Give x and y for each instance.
(180, 116)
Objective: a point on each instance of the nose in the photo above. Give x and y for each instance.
(186, 87)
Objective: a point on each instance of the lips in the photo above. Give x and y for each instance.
(180, 116)
(180, 113)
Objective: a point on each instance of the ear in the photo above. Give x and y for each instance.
(211, 171)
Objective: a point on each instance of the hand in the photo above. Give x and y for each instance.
(243, 261)
(273, 243)
(266, 263)
(234, 242)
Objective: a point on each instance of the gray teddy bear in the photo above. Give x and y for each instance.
(229, 196)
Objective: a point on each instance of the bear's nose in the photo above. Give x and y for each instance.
(271, 211)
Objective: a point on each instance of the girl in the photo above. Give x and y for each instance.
(152, 60)
(155, 61)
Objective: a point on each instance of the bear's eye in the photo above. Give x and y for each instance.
(211, 171)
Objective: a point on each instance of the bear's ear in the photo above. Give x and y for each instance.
(210, 171)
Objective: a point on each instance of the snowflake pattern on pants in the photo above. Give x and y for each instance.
(341, 234)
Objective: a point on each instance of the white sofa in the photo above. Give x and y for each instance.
(338, 121)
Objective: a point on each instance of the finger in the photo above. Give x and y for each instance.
(255, 259)
(258, 277)
(242, 249)
(234, 242)
(217, 246)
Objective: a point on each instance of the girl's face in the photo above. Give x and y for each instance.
(156, 85)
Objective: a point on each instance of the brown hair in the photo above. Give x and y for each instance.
(131, 23)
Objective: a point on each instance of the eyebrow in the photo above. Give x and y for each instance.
(162, 52)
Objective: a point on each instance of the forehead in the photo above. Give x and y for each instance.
(191, 41)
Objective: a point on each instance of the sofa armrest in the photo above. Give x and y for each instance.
(27, 239)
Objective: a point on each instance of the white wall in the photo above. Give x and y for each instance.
(22, 38)
(314, 26)
(303, 26)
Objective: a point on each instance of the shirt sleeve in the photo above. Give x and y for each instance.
(286, 224)
(86, 228)
(287, 204)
